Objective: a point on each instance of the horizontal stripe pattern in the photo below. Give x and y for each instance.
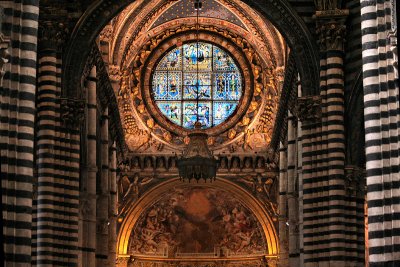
(17, 111)
(381, 110)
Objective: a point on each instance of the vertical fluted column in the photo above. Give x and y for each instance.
(292, 200)
(102, 198)
(113, 208)
(283, 228)
(88, 190)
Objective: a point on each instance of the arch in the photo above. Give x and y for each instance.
(133, 214)
(279, 12)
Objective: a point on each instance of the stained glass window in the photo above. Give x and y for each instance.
(197, 70)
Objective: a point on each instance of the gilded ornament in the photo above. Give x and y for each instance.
(150, 123)
(231, 134)
(167, 136)
(253, 106)
(211, 141)
(186, 140)
(141, 108)
(246, 121)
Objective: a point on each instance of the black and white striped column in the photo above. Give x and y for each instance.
(58, 156)
(382, 117)
(282, 208)
(103, 193)
(292, 196)
(88, 182)
(113, 207)
(17, 112)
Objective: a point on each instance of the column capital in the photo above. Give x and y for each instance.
(355, 179)
(308, 108)
(72, 112)
(4, 54)
(52, 35)
(331, 28)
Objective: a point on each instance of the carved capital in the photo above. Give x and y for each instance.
(355, 180)
(327, 5)
(308, 108)
(331, 28)
(4, 54)
(72, 112)
(52, 34)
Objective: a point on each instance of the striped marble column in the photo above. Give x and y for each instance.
(88, 182)
(17, 113)
(48, 118)
(382, 117)
(299, 170)
(103, 194)
(292, 196)
(282, 206)
(113, 208)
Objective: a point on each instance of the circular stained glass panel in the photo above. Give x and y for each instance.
(197, 81)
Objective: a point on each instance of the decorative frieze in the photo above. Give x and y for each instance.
(72, 112)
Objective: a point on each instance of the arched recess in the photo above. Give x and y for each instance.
(279, 12)
(244, 197)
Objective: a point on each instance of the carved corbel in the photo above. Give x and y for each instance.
(72, 112)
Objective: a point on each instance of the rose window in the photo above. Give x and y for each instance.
(197, 79)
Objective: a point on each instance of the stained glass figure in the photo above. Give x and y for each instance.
(200, 53)
(222, 110)
(197, 84)
(172, 61)
(176, 85)
(172, 110)
(160, 87)
(222, 61)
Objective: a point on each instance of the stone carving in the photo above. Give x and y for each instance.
(52, 34)
(355, 180)
(327, 4)
(309, 108)
(331, 28)
(72, 112)
(4, 54)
